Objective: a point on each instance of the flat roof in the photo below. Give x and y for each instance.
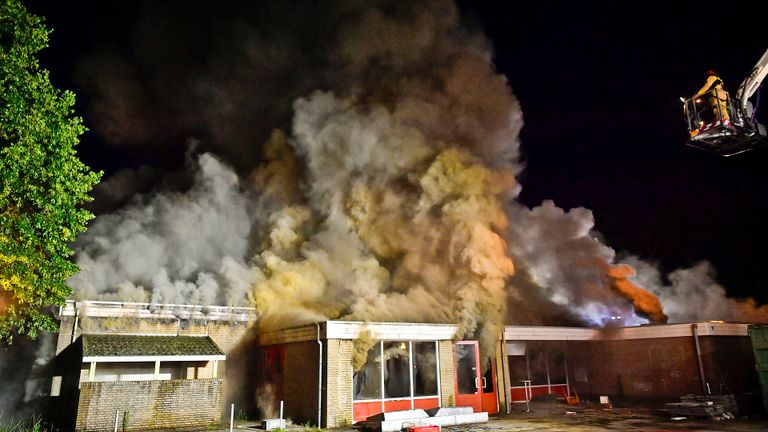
(135, 348)
(426, 331)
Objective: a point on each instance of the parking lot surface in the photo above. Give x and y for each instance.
(552, 416)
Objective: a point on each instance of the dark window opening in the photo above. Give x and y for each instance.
(424, 369)
(397, 378)
(367, 380)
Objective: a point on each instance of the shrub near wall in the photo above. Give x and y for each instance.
(174, 404)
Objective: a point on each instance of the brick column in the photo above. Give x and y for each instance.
(338, 383)
(447, 379)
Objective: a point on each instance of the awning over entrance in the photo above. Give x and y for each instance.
(101, 348)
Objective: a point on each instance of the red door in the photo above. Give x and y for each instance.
(473, 387)
(488, 391)
(466, 360)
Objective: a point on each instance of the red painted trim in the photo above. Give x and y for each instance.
(363, 410)
(426, 403)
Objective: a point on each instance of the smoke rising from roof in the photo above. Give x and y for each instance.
(356, 160)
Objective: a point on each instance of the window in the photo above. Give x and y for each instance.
(557, 367)
(397, 375)
(397, 364)
(56, 386)
(367, 380)
(424, 369)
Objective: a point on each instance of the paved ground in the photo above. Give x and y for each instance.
(557, 417)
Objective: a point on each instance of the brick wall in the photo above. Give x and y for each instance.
(648, 368)
(447, 385)
(662, 367)
(175, 404)
(729, 364)
(137, 325)
(227, 335)
(65, 334)
(338, 383)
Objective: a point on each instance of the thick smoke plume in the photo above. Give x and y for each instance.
(355, 160)
(25, 381)
(693, 294)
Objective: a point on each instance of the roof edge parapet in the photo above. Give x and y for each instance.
(112, 309)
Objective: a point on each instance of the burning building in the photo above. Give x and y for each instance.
(159, 367)
(333, 195)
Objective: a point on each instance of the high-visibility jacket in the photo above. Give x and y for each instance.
(715, 85)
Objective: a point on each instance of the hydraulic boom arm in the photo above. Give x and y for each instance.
(750, 84)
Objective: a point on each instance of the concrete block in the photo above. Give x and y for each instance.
(445, 420)
(275, 423)
(399, 415)
(448, 411)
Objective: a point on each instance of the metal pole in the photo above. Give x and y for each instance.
(117, 416)
(567, 380)
(439, 388)
(319, 377)
(546, 364)
(231, 417)
(381, 374)
(410, 374)
(281, 415)
(528, 394)
(695, 329)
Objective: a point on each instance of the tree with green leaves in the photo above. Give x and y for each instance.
(43, 184)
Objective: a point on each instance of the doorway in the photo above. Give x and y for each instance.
(475, 386)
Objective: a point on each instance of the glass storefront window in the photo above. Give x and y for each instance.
(397, 364)
(367, 380)
(424, 369)
(397, 379)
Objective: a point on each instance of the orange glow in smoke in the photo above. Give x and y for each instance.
(644, 301)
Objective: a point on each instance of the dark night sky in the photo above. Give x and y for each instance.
(599, 84)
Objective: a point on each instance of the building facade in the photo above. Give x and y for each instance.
(142, 367)
(337, 373)
(118, 358)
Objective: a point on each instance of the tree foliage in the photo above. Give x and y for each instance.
(43, 184)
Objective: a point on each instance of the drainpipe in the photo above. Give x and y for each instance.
(695, 330)
(319, 377)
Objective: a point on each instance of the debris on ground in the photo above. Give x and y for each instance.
(716, 407)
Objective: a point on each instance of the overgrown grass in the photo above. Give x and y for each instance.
(309, 428)
(36, 425)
